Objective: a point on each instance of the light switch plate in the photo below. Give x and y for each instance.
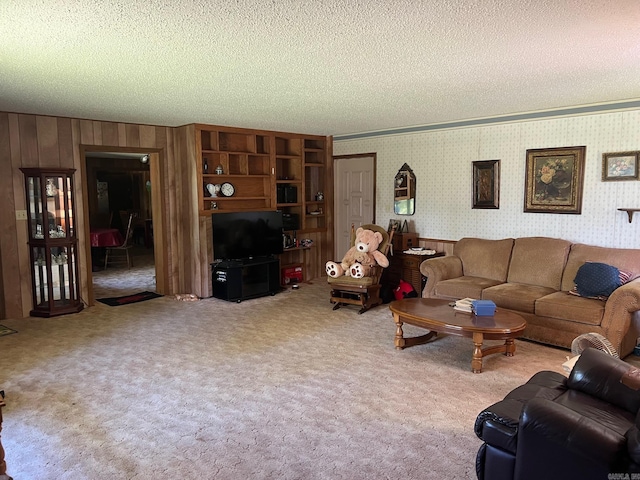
(21, 214)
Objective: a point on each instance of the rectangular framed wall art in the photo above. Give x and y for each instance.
(554, 180)
(486, 184)
(620, 166)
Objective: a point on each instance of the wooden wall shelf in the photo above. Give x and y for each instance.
(630, 212)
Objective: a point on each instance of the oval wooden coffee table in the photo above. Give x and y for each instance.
(438, 316)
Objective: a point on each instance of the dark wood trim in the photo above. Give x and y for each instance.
(157, 212)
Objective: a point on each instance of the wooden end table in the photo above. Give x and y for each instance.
(438, 316)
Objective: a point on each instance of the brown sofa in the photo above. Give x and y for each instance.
(532, 276)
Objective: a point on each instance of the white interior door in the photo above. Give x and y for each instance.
(354, 196)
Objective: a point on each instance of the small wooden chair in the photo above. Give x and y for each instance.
(124, 249)
(364, 292)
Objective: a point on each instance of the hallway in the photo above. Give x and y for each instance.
(121, 281)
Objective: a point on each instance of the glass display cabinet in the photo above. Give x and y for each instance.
(53, 245)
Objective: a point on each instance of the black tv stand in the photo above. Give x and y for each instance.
(241, 279)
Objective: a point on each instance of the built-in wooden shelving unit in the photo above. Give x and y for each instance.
(269, 170)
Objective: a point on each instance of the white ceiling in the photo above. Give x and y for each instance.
(326, 66)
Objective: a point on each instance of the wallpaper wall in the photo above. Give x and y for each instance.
(442, 161)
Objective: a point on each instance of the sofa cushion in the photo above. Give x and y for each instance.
(349, 280)
(538, 261)
(463, 287)
(626, 259)
(607, 416)
(516, 296)
(498, 424)
(563, 306)
(484, 258)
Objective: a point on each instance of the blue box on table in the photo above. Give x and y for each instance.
(483, 307)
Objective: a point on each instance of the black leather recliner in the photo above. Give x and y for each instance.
(552, 427)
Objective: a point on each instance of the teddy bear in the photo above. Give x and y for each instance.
(359, 259)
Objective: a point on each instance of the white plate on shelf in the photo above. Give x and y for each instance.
(314, 213)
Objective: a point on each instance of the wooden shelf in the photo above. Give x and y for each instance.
(259, 163)
(224, 176)
(291, 249)
(630, 212)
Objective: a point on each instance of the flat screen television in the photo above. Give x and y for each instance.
(242, 235)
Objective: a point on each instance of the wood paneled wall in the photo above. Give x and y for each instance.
(43, 141)
(182, 239)
(445, 246)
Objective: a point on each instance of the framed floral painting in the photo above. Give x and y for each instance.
(554, 180)
(620, 166)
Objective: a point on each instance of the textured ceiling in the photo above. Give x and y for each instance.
(325, 67)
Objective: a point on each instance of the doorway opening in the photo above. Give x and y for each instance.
(119, 206)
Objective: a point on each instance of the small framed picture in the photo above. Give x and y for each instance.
(486, 184)
(394, 223)
(620, 166)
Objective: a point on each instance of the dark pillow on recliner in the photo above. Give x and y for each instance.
(597, 279)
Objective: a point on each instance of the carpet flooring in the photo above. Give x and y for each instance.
(278, 387)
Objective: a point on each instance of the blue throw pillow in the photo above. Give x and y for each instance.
(597, 279)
